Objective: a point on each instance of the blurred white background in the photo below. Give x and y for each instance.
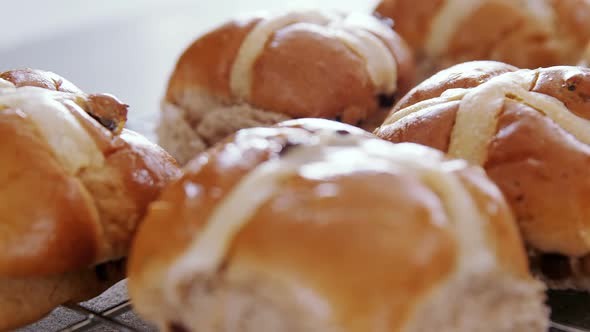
(124, 47)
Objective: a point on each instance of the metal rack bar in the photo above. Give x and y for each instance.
(564, 328)
(94, 318)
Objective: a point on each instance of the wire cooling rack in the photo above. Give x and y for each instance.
(118, 315)
(105, 317)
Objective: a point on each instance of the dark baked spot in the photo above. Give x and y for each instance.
(571, 87)
(338, 118)
(107, 123)
(520, 198)
(386, 100)
(555, 266)
(101, 272)
(177, 327)
(343, 132)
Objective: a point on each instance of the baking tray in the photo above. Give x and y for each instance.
(112, 311)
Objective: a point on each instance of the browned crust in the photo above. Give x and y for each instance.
(49, 222)
(574, 19)
(55, 221)
(296, 246)
(496, 31)
(303, 73)
(431, 129)
(530, 157)
(39, 78)
(313, 231)
(571, 85)
(410, 18)
(463, 75)
(206, 64)
(379, 223)
(300, 73)
(546, 184)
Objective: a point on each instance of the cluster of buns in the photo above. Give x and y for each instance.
(289, 214)
(312, 225)
(75, 184)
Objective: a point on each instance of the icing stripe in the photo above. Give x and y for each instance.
(477, 118)
(71, 143)
(445, 24)
(360, 33)
(449, 18)
(254, 44)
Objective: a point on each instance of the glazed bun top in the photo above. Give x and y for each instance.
(301, 64)
(302, 200)
(524, 33)
(530, 131)
(74, 181)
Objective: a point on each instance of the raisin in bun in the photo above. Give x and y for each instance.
(261, 70)
(317, 226)
(524, 33)
(530, 130)
(74, 186)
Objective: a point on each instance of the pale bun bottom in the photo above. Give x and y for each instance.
(474, 302)
(200, 120)
(26, 300)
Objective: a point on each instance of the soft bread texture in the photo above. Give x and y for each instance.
(74, 187)
(528, 129)
(318, 226)
(523, 33)
(265, 69)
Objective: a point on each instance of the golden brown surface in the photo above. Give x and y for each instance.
(58, 222)
(463, 75)
(538, 165)
(546, 184)
(206, 64)
(81, 218)
(379, 223)
(511, 32)
(300, 72)
(59, 228)
(413, 12)
(39, 78)
(571, 85)
(574, 18)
